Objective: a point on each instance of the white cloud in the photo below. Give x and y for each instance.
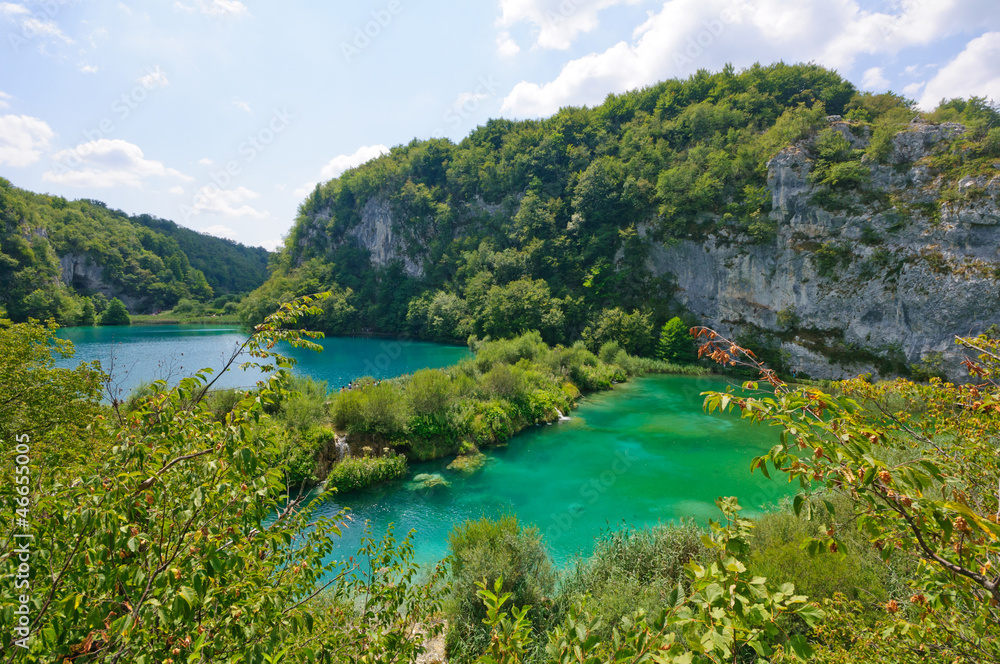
(556, 23)
(227, 202)
(341, 163)
(31, 25)
(974, 72)
(88, 69)
(223, 8)
(125, 8)
(13, 9)
(271, 245)
(106, 163)
(874, 79)
(23, 139)
(687, 35)
(506, 46)
(218, 230)
(154, 78)
(205, 161)
(912, 91)
(304, 190)
(3, 100)
(176, 191)
(243, 106)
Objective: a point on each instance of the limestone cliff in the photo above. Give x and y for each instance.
(904, 273)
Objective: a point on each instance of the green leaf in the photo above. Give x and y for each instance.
(800, 647)
(188, 594)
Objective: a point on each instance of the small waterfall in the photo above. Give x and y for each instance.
(562, 418)
(343, 449)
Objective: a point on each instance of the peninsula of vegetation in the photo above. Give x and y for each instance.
(778, 217)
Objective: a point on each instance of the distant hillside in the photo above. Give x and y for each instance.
(836, 231)
(228, 266)
(54, 253)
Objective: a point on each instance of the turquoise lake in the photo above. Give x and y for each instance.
(642, 454)
(143, 353)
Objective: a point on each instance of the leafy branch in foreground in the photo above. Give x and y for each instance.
(919, 464)
(721, 613)
(174, 541)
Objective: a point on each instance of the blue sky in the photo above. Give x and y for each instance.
(223, 114)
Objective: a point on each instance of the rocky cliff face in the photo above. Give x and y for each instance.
(376, 233)
(86, 276)
(897, 276)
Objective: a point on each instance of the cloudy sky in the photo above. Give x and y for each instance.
(222, 114)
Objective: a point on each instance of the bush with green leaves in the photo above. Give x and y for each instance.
(488, 550)
(719, 613)
(355, 473)
(922, 485)
(631, 570)
(676, 344)
(171, 538)
(115, 314)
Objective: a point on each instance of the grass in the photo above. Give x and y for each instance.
(169, 319)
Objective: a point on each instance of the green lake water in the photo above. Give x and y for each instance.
(138, 354)
(641, 454)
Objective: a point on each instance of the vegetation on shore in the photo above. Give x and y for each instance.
(62, 259)
(509, 385)
(175, 517)
(888, 553)
(550, 224)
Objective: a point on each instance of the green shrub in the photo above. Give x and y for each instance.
(359, 472)
(676, 344)
(302, 449)
(930, 366)
(222, 402)
(609, 352)
(503, 382)
(777, 554)
(187, 307)
(633, 331)
(372, 408)
(829, 257)
(430, 392)
(306, 405)
(488, 549)
(528, 346)
(115, 314)
(631, 570)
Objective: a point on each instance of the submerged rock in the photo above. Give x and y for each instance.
(427, 481)
(468, 464)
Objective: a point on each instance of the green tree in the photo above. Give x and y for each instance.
(920, 483)
(175, 540)
(53, 406)
(115, 314)
(633, 332)
(88, 315)
(676, 344)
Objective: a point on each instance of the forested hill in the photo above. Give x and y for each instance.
(55, 252)
(685, 197)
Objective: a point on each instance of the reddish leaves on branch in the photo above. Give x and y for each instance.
(730, 354)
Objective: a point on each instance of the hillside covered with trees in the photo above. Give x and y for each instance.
(553, 224)
(56, 255)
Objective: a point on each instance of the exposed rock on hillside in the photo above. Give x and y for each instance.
(903, 273)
